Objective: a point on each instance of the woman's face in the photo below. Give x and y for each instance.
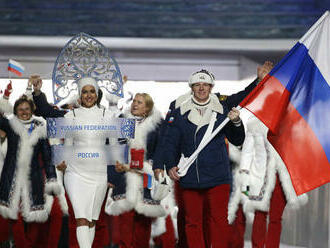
(88, 96)
(23, 111)
(138, 106)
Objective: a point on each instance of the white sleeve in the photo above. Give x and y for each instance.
(247, 153)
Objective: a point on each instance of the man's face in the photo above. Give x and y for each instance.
(88, 96)
(24, 111)
(201, 91)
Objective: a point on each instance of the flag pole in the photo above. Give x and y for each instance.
(9, 75)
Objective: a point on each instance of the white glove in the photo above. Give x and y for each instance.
(161, 188)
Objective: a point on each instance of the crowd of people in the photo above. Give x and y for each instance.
(176, 187)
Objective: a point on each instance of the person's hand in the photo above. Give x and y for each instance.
(36, 81)
(121, 167)
(125, 78)
(62, 166)
(263, 70)
(233, 115)
(173, 173)
(30, 83)
(110, 185)
(8, 91)
(157, 172)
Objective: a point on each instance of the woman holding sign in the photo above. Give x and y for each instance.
(85, 178)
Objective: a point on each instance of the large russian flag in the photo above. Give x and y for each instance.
(294, 103)
(15, 67)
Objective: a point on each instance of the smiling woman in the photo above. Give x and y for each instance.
(87, 180)
(88, 96)
(24, 108)
(142, 105)
(22, 182)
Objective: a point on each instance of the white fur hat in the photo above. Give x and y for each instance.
(202, 76)
(87, 81)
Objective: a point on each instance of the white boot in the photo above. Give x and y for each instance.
(83, 237)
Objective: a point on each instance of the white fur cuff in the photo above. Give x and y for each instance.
(52, 188)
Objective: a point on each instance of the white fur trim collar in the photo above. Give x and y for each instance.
(214, 105)
(182, 99)
(194, 116)
(144, 127)
(38, 132)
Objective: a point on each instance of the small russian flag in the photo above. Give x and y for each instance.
(15, 67)
(147, 181)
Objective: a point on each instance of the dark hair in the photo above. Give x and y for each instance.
(206, 72)
(64, 106)
(24, 99)
(99, 97)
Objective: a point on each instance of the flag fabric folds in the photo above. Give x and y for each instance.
(15, 67)
(293, 101)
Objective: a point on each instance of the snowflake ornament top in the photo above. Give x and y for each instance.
(84, 56)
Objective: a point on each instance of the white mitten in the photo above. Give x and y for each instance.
(161, 188)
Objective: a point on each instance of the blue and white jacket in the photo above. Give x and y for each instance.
(186, 130)
(22, 179)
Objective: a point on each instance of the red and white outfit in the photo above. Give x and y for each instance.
(4, 223)
(262, 175)
(134, 205)
(163, 229)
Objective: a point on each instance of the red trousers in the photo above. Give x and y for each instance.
(4, 229)
(101, 238)
(18, 232)
(46, 234)
(210, 206)
(135, 230)
(261, 235)
(238, 229)
(167, 239)
(270, 237)
(182, 241)
(113, 229)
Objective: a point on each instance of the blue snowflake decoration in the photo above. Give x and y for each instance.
(51, 127)
(128, 128)
(84, 56)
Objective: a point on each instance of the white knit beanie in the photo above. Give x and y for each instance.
(201, 77)
(87, 81)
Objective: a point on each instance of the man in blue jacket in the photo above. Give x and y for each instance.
(159, 161)
(206, 185)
